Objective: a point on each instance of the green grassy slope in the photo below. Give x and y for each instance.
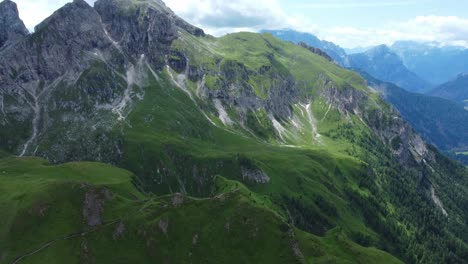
(314, 166)
(348, 179)
(43, 209)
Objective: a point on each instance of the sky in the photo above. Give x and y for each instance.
(348, 23)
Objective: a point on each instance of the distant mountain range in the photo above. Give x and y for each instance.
(431, 62)
(382, 63)
(414, 66)
(337, 53)
(441, 122)
(456, 89)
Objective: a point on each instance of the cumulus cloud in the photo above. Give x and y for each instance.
(219, 17)
(347, 5)
(446, 30)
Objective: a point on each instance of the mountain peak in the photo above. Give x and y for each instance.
(75, 12)
(11, 26)
(380, 50)
(384, 64)
(143, 27)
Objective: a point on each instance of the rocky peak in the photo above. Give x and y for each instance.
(62, 40)
(315, 51)
(143, 27)
(69, 16)
(11, 26)
(62, 47)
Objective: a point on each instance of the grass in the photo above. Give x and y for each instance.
(176, 144)
(49, 204)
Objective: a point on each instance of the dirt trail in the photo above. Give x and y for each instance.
(66, 237)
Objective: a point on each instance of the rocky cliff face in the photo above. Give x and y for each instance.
(84, 67)
(77, 68)
(315, 51)
(332, 50)
(145, 27)
(11, 26)
(405, 143)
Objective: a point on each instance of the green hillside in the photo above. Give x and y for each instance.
(91, 212)
(243, 149)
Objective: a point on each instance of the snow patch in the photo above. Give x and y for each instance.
(119, 109)
(278, 127)
(37, 112)
(35, 124)
(2, 108)
(312, 121)
(326, 113)
(179, 81)
(132, 77)
(209, 119)
(108, 36)
(152, 72)
(437, 201)
(201, 85)
(223, 115)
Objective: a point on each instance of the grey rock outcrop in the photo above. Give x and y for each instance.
(254, 175)
(315, 51)
(11, 26)
(405, 143)
(143, 27)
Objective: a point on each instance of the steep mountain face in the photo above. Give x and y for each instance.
(336, 52)
(382, 63)
(431, 62)
(455, 90)
(137, 28)
(291, 157)
(11, 26)
(441, 122)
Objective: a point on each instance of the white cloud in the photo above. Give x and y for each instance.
(219, 17)
(341, 5)
(447, 30)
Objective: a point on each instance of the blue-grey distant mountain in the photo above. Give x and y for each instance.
(384, 64)
(358, 49)
(442, 122)
(337, 53)
(431, 62)
(456, 89)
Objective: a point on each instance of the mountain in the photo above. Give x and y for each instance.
(239, 149)
(441, 122)
(456, 89)
(435, 63)
(336, 52)
(382, 63)
(11, 26)
(358, 49)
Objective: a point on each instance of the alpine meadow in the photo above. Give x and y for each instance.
(128, 135)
